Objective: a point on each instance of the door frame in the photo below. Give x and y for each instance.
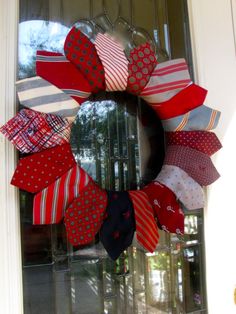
(212, 25)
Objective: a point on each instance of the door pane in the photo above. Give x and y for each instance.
(112, 143)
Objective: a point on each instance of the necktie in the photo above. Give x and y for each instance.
(36, 172)
(114, 62)
(82, 53)
(31, 131)
(169, 214)
(166, 81)
(197, 164)
(83, 218)
(146, 227)
(187, 99)
(40, 95)
(142, 61)
(203, 141)
(56, 69)
(50, 204)
(201, 118)
(117, 230)
(188, 191)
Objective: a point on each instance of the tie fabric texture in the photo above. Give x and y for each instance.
(84, 216)
(170, 217)
(167, 80)
(82, 53)
(146, 227)
(36, 172)
(50, 204)
(200, 118)
(114, 62)
(40, 95)
(142, 61)
(197, 164)
(56, 69)
(203, 141)
(31, 131)
(187, 99)
(187, 191)
(117, 230)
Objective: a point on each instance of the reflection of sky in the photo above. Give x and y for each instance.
(44, 35)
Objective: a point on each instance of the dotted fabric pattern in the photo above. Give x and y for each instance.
(36, 172)
(169, 215)
(84, 216)
(81, 51)
(203, 141)
(188, 191)
(142, 62)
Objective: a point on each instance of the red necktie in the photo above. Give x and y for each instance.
(142, 61)
(146, 228)
(84, 216)
(203, 141)
(51, 203)
(81, 52)
(169, 214)
(197, 164)
(114, 62)
(31, 131)
(56, 69)
(36, 172)
(187, 99)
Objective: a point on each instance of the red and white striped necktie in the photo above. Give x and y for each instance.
(51, 203)
(146, 227)
(114, 62)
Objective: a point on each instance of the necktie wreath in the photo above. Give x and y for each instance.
(63, 190)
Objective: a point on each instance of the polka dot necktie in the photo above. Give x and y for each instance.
(36, 172)
(187, 190)
(197, 164)
(31, 131)
(84, 216)
(146, 227)
(203, 141)
(170, 217)
(81, 52)
(50, 204)
(142, 62)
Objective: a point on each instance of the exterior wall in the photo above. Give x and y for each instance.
(213, 37)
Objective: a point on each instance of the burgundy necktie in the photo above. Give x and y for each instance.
(36, 172)
(51, 203)
(84, 216)
(146, 227)
(114, 62)
(197, 164)
(203, 141)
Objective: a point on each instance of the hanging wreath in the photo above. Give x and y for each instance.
(63, 190)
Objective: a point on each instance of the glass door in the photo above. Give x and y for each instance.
(111, 142)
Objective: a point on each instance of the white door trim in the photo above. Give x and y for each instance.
(11, 296)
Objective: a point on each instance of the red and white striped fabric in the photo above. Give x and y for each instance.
(51, 203)
(167, 80)
(146, 227)
(114, 62)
